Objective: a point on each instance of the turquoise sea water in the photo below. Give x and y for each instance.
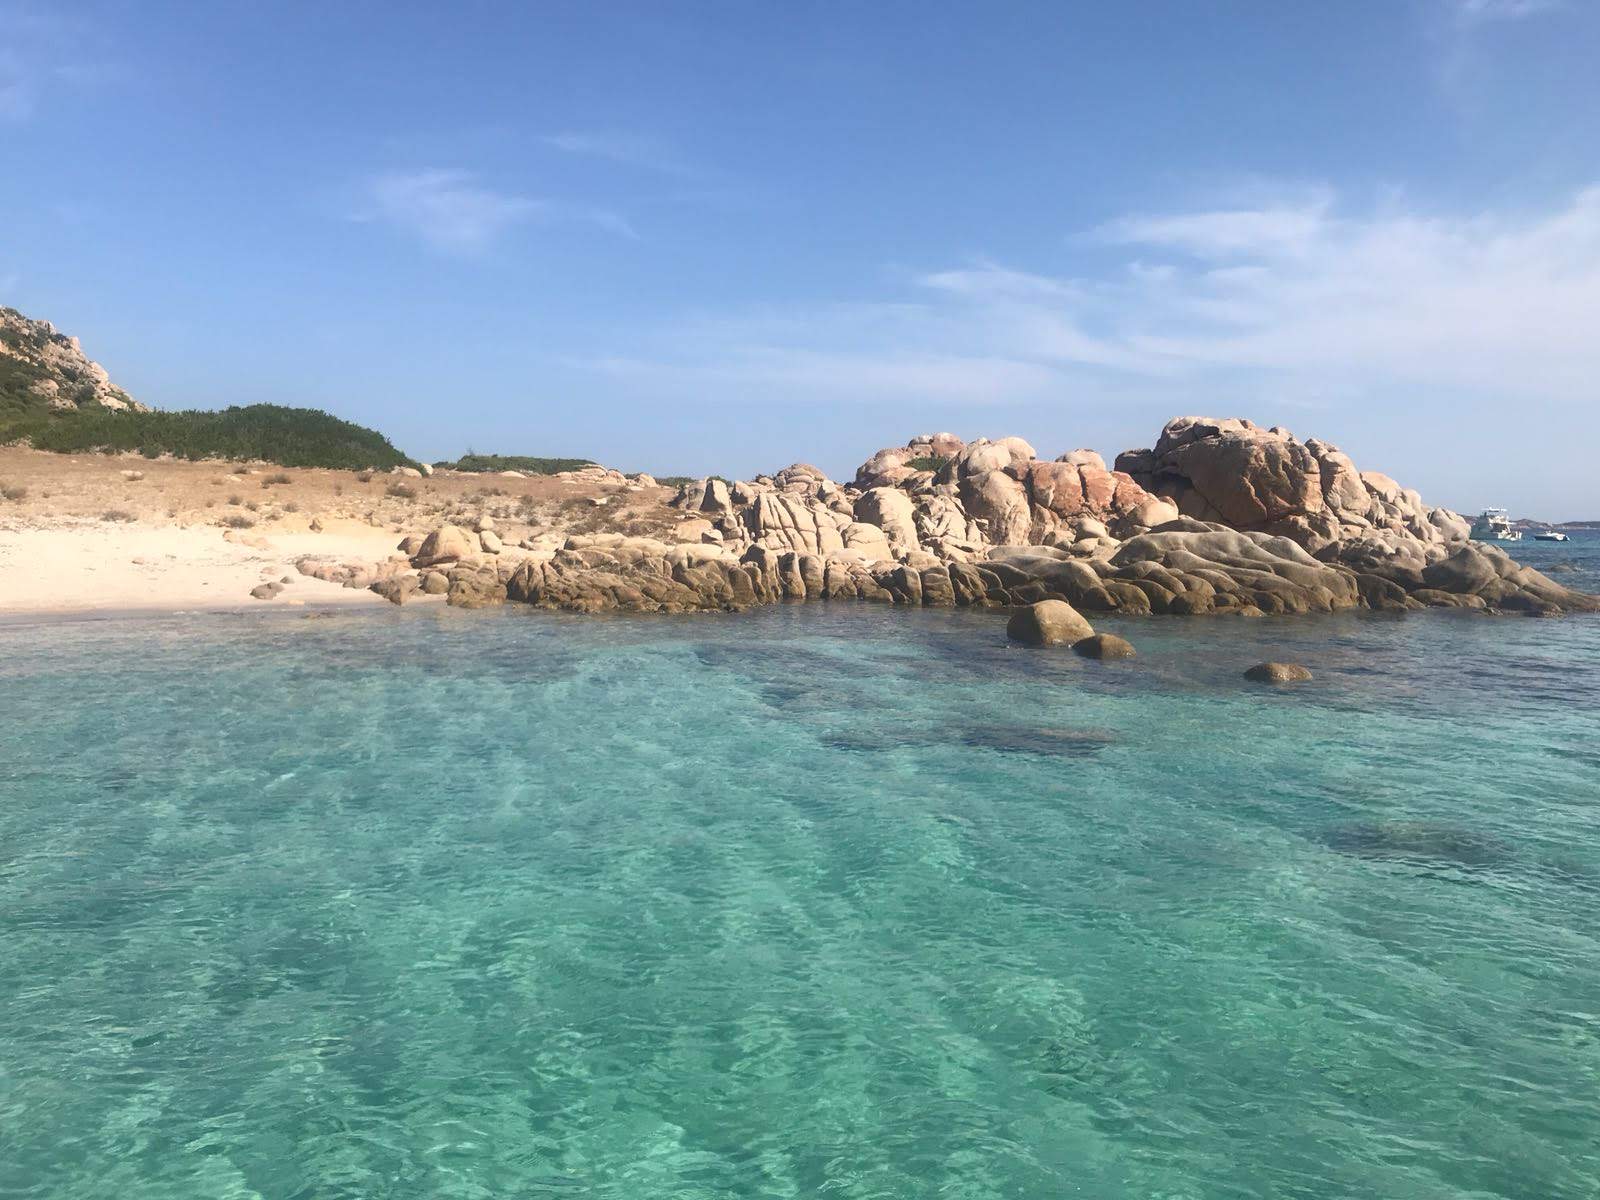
(830, 901)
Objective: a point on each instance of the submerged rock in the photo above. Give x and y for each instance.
(1277, 672)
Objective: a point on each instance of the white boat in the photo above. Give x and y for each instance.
(1494, 525)
(1551, 535)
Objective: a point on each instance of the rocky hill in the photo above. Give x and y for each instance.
(41, 368)
(53, 397)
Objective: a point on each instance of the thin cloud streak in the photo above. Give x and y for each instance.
(1475, 12)
(1301, 302)
(625, 149)
(452, 211)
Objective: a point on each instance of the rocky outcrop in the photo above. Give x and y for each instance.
(1237, 473)
(1186, 567)
(968, 496)
(1220, 516)
(49, 368)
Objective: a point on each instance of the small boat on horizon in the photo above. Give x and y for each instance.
(1551, 535)
(1494, 525)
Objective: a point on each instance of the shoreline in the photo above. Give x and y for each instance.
(72, 568)
(994, 527)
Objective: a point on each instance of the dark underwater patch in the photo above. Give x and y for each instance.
(1421, 843)
(860, 741)
(1035, 739)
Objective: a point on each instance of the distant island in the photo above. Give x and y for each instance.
(1525, 524)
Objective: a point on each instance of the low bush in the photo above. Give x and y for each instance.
(523, 463)
(290, 437)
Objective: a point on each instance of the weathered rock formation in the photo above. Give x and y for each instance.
(1246, 477)
(1221, 516)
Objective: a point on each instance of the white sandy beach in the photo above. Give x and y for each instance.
(87, 566)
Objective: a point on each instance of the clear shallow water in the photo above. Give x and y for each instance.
(816, 901)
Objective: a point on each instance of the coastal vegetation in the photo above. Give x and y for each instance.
(522, 463)
(53, 397)
(289, 437)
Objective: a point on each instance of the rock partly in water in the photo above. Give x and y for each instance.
(396, 589)
(1048, 623)
(1277, 672)
(1220, 516)
(1104, 645)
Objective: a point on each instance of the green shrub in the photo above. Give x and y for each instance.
(514, 462)
(932, 462)
(290, 437)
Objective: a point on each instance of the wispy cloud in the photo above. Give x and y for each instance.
(45, 52)
(1466, 36)
(1480, 11)
(1226, 233)
(1303, 301)
(452, 210)
(630, 150)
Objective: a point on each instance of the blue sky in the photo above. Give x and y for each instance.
(685, 237)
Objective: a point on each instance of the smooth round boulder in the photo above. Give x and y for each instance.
(448, 543)
(1104, 645)
(1277, 672)
(1048, 623)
